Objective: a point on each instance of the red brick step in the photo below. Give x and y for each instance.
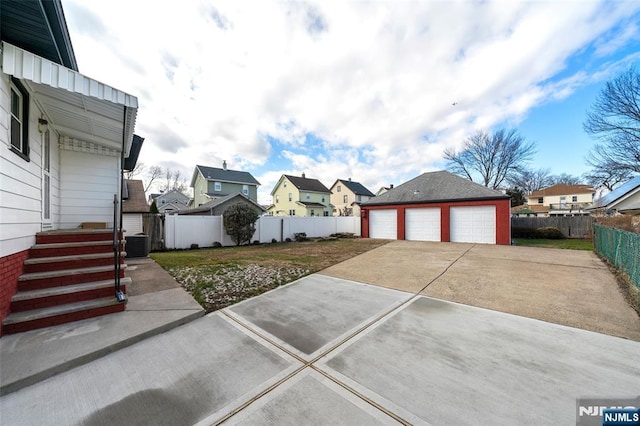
(40, 280)
(43, 298)
(57, 263)
(29, 320)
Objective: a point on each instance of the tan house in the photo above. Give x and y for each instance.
(561, 200)
(210, 183)
(346, 196)
(300, 196)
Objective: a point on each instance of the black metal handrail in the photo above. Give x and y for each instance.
(116, 251)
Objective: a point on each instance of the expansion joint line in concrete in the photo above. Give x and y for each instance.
(445, 270)
(328, 351)
(313, 361)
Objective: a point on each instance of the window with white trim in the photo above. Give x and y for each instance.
(217, 186)
(19, 119)
(245, 190)
(290, 197)
(345, 198)
(574, 198)
(292, 212)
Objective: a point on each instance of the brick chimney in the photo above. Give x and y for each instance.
(303, 177)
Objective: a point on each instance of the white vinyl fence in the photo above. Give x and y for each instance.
(181, 231)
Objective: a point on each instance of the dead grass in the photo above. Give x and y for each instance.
(219, 277)
(625, 223)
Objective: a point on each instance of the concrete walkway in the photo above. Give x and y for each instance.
(156, 304)
(324, 350)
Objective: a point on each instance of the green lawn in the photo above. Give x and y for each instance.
(570, 244)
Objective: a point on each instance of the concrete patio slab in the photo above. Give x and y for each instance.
(179, 377)
(310, 398)
(312, 314)
(447, 363)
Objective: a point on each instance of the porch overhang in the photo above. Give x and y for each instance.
(79, 108)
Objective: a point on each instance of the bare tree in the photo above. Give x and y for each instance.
(173, 181)
(566, 179)
(614, 119)
(153, 174)
(137, 170)
(493, 157)
(607, 177)
(530, 180)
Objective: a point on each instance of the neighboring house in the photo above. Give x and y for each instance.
(623, 200)
(384, 189)
(209, 183)
(170, 202)
(218, 206)
(346, 197)
(439, 206)
(562, 200)
(530, 211)
(134, 205)
(63, 139)
(300, 196)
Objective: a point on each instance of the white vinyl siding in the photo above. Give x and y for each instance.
(422, 224)
(21, 181)
(87, 185)
(383, 224)
(473, 224)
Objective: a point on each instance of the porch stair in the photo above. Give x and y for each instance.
(69, 276)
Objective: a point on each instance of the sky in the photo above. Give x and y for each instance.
(368, 90)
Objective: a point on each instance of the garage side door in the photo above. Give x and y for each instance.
(475, 224)
(422, 224)
(383, 224)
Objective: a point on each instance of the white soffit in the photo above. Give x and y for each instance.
(77, 106)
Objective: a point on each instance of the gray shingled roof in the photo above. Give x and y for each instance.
(435, 187)
(213, 173)
(218, 201)
(306, 184)
(356, 187)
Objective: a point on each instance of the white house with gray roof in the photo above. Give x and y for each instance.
(209, 183)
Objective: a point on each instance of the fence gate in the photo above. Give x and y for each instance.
(153, 226)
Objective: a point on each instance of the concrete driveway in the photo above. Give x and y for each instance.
(324, 350)
(569, 287)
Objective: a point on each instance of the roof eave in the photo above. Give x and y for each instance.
(452, 200)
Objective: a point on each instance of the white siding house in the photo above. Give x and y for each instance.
(63, 137)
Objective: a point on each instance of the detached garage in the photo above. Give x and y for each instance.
(439, 206)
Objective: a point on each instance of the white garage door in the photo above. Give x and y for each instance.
(383, 224)
(473, 224)
(422, 224)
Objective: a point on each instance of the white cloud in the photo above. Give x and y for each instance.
(374, 80)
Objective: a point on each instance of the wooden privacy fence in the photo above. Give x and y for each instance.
(153, 226)
(570, 226)
(182, 231)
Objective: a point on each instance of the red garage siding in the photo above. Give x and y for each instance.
(503, 217)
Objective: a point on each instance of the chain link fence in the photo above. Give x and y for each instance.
(621, 249)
